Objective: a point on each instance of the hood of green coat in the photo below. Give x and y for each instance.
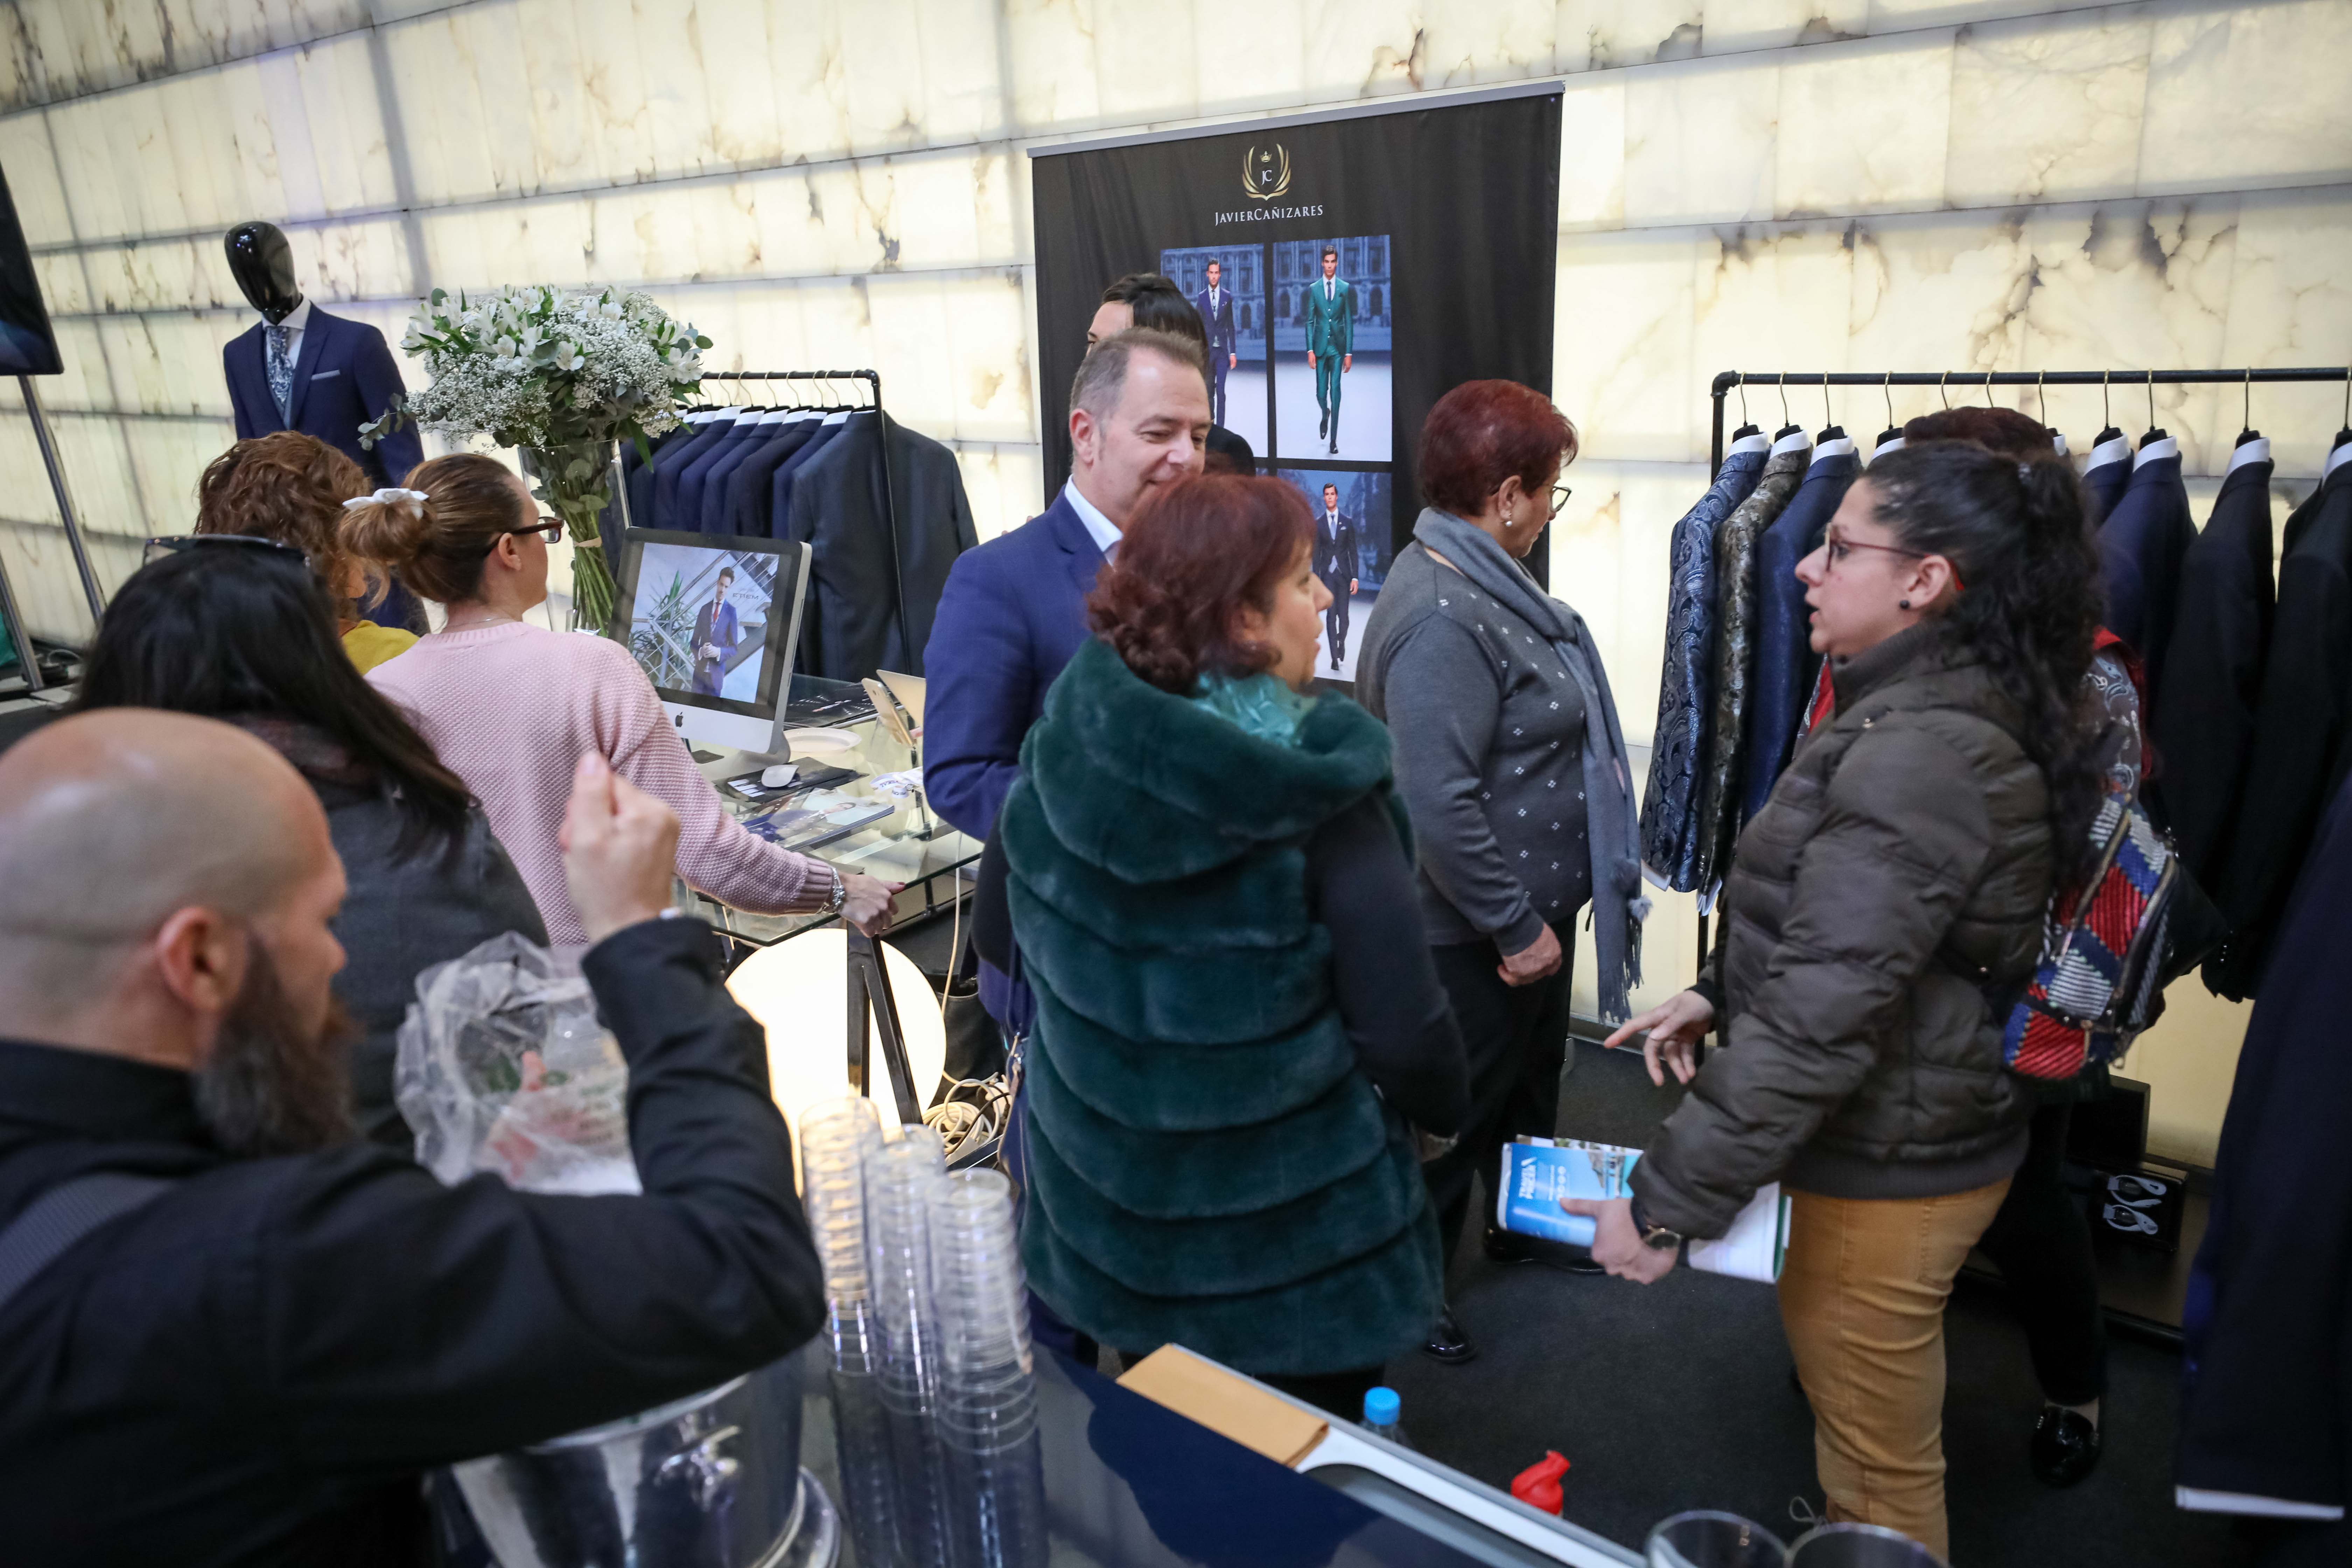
(1153, 788)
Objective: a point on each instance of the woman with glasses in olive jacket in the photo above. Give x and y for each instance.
(1879, 913)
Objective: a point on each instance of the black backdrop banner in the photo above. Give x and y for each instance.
(1440, 218)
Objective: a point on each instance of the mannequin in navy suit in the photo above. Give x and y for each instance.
(339, 375)
(343, 374)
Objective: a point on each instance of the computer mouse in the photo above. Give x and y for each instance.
(779, 776)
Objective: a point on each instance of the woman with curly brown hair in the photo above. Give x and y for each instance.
(1237, 1020)
(290, 488)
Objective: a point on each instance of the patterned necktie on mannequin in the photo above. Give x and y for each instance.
(281, 371)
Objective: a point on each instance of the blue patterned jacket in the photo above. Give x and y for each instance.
(1686, 695)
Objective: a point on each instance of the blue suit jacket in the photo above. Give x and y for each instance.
(344, 376)
(780, 488)
(743, 509)
(2141, 547)
(1012, 614)
(2104, 474)
(696, 475)
(1784, 668)
(670, 463)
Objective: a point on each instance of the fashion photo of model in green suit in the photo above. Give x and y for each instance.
(1330, 340)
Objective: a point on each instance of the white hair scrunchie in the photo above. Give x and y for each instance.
(399, 500)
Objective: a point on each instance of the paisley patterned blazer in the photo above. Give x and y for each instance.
(1670, 800)
(1721, 774)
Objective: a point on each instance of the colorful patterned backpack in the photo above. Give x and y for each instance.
(2102, 952)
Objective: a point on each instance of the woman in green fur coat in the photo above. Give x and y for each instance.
(1239, 1025)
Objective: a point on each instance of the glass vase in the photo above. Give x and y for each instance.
(575, 482)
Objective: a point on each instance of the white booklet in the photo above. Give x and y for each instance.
(1538, 1173)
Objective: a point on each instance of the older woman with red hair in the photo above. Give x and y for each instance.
(1238, 1026)
(1510, 760)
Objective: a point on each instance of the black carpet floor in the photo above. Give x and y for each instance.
(1677, 1397)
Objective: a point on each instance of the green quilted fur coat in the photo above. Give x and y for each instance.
(1206, 1163)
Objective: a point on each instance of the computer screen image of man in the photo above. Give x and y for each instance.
(698, 624)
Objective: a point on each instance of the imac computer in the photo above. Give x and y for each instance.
(713, 620)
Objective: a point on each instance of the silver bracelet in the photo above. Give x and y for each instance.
(840, 896)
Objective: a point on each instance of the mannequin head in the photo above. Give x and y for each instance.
(263, 264)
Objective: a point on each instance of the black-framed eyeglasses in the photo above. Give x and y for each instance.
(1560, 494)
(550, 526)
(1840, 548)
(176, 543)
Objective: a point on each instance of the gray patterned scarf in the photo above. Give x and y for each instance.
(1612, 827)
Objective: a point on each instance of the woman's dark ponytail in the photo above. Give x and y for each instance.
(2030, 602)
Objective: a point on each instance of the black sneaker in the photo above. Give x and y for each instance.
(2065, 1446)
(1447, 1343)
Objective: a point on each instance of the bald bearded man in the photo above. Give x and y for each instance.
(229, 1333)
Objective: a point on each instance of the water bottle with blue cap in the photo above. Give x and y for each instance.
(1383, 1410)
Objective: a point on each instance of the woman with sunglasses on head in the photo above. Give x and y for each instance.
(1510, 756)
(510, 706)
(239, 629)
(1881, 913)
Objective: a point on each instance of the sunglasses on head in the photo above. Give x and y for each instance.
(178, 544)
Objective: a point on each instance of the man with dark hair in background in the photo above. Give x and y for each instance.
(717, 631)
(1330, 340)
(231, 1332)
(1216, 305)
(1151, 300)
(1335, 563)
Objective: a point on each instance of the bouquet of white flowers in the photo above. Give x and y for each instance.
(561, 374)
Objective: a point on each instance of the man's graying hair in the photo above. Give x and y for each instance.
(1102, 374)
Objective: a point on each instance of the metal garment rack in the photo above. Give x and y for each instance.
(29, 664)
(873, 381)
(1728, 381)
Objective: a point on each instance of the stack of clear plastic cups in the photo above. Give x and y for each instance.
(901, 1179)
(987, 1389)
(836, 1138)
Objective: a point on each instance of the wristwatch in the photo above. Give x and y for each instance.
(1656, 1236)
(840, 891)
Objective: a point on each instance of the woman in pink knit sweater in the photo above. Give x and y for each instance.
(511, 707)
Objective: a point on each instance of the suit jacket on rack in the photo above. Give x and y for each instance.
(344, 377)
(2141, 547)
(2203, 723)
(751, 487)
(713, 518)
(781, 485)
(2104, 474)
(1685, 685)
(695, 476)
(854, 624)
(1723, 775)
(2302, 733)
(671, 462)
(637, 473)
(1785, 664)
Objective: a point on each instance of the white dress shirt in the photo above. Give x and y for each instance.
(296, 320)
(1106, 534)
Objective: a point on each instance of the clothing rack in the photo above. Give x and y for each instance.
(1725, 382)
(873, 381)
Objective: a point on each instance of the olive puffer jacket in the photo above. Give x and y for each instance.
(1898, 873)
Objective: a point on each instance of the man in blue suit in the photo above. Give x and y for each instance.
(1013, 610)
(1215, 304)
(717, 631)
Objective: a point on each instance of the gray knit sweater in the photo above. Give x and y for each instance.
(1489, 756)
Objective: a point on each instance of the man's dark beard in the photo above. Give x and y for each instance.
(268, 1089)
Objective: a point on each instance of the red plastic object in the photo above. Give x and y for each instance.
(1537, 1486)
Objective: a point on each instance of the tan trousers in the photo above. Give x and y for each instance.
(1861, 1296)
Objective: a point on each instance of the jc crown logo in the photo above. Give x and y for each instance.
(1265, 172)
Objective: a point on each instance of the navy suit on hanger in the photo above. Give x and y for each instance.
(2204, 722)
(2141, 547)
(687, 511)
(671, 463)
(2104, 474)
(748, 488)
(1785, 664)
(779, 488)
